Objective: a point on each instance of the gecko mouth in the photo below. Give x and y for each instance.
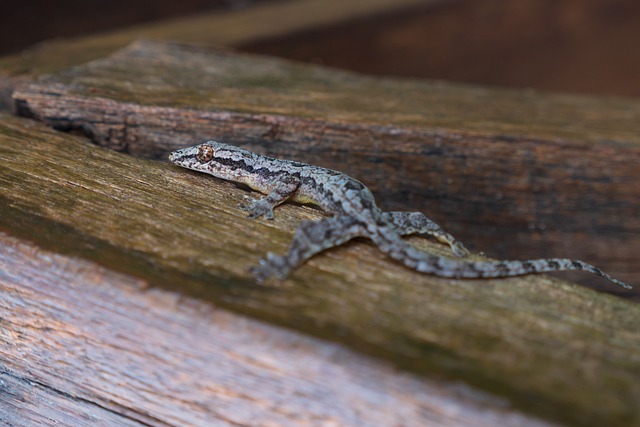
(178, 156)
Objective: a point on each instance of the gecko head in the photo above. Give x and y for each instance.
(215, 158)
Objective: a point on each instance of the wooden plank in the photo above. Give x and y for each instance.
(513, 173)
(84, 346)
(548, 347)
(26, 402)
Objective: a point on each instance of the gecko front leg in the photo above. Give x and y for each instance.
(310, 238)
(417, 223)
(285, 187)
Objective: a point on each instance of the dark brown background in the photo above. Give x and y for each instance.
(588, 46)
(23, 23)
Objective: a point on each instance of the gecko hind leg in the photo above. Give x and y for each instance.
(310, 238)
(406, 223)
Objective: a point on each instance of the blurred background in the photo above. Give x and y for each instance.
(580, 46)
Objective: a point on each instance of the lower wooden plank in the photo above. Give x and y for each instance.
(25, 402)
(81, 345)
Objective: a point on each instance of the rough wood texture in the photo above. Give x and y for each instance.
(83, 346)
(514, 174)
(549, 347)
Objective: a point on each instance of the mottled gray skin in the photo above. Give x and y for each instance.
(354, 214)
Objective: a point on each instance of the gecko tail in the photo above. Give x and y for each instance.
(516, 268)
(583, 266)
(390, 243)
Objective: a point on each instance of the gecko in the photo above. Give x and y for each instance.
(352, 213)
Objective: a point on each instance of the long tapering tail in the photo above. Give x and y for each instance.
(389, 242)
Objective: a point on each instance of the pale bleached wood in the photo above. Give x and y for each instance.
(546, 346)
(84, 346)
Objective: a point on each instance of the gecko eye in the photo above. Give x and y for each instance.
(205, 153)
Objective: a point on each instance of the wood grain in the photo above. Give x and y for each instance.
(548, 347)
(82, 345)
(516, 174)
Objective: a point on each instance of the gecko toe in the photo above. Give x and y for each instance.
(458, 249)
(258, 208)
(271, 266)
(260, 272)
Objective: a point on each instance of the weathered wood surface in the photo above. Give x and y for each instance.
(81, 345)
(548, 347)
(512, 173)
